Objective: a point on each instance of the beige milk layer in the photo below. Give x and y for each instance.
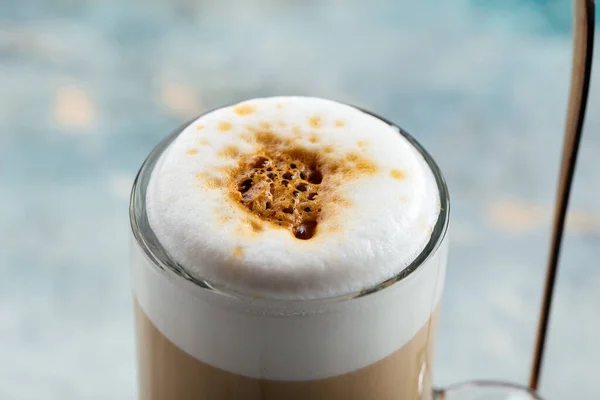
(291, 198)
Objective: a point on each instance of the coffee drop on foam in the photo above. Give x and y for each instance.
(312, 201)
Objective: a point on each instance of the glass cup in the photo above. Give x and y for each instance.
(486, 390)
(201, 341)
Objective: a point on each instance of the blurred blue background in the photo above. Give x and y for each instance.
(87, 88)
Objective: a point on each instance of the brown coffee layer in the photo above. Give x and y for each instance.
(165, 372)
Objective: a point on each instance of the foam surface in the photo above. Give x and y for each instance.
(377, 199)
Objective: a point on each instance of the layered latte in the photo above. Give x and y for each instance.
(288, 248)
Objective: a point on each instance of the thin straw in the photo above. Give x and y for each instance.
(583, 44)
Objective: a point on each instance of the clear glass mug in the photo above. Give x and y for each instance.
(196, 340)
(486, 390)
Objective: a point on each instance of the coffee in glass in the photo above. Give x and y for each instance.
(288, 248)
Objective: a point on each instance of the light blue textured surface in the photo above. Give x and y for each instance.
(87, 88)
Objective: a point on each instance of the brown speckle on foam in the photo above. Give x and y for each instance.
(403, 199)
(214, 183)
(257, 226)
(339, 123)
(281, 124)
(209, 181)
(328, 149)
(269, 139)
(366, 167)
(397, 174)
(290, 186)
(204, 142)
(353, 157)
(192, 151)
(224, 126)
(315, 122)
(265, 125)
(313, 138)
(281, 186)
(297, 131)
(244, 109)
(200, 127)
(230, 151)
(279, 106)
(238, 252)
(246, 137)
(362, 144)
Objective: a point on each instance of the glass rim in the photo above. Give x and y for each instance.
(159, 257)
(483, 383)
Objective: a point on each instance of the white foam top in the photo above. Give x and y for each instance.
(378, 197)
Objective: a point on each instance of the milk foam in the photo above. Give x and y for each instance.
(375, 220)
(283, 340)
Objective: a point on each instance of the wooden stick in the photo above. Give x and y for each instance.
(583, 44)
